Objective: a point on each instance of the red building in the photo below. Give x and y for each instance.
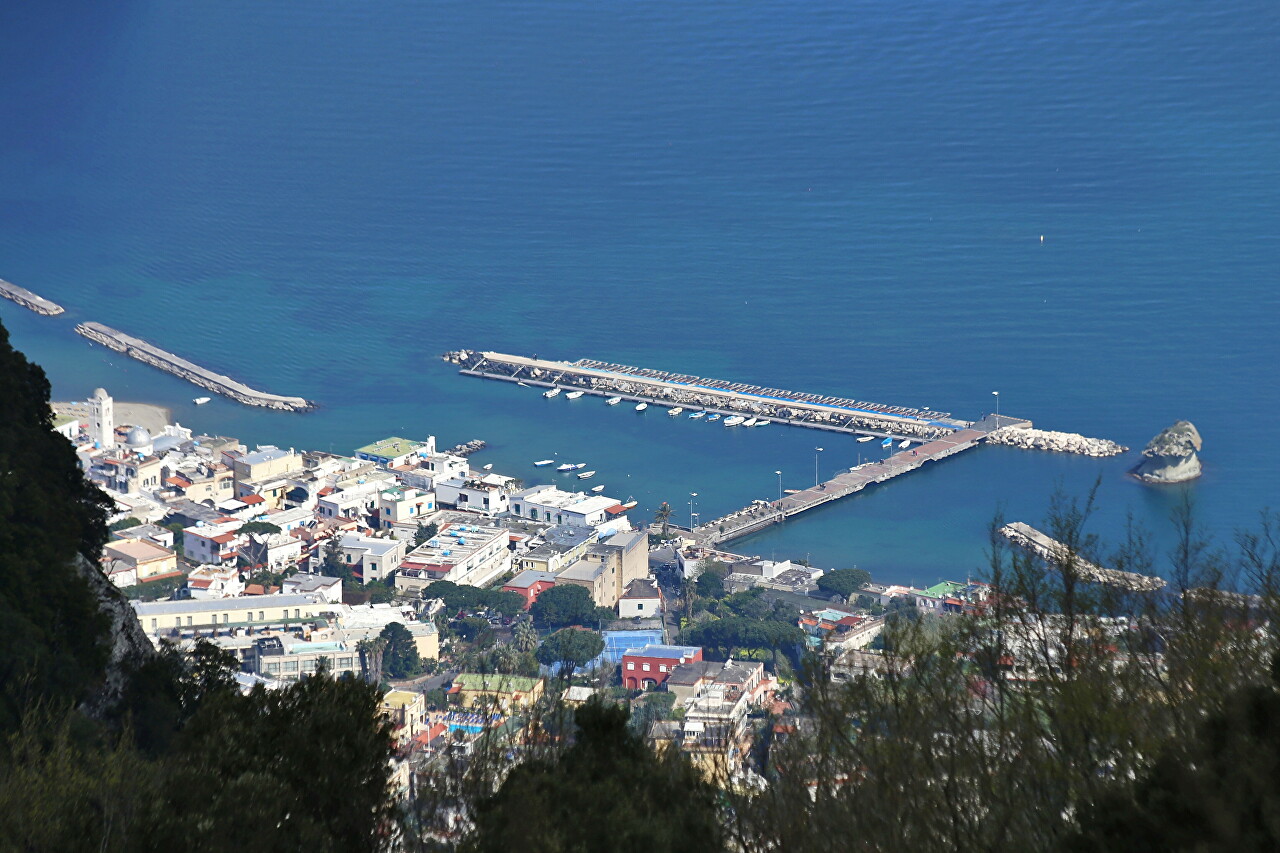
(530, 584)
(650, 666)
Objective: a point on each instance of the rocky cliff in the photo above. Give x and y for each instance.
(1171, 457)
(129, 647)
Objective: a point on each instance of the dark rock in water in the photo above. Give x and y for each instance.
(1170, 457)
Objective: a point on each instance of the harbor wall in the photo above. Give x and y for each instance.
(1057, 442)
(27, 299)
(150, 354)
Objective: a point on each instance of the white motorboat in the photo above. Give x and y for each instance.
(697, 415)
(640, 407)
(906, 442)
(865, 438)
(573, 395)
(759, 422)
(522, 384)
(586, 475)
(200, 401)
(676, 412)
(554, 392)
(571, 466)
(489, 467)
(542, 463)
(597, 489)
(714, 417)
(751, 422)
(630, 504)
(792, 491)
(734, 420)
(613, 401)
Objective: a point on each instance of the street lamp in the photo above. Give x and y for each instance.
(692, 495)
(779, 473)
(996, 394)
(816, 451)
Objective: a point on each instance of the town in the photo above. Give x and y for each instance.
(470, 596)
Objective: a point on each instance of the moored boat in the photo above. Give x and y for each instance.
(613, 401)
(697, 415)
(865, 438)
(714, 417)
(586, 475)
(571, 466)
(751, 422)
(640, 407)
(554, 392)
(573, 395)
(888, 442)
(676, 412)
(734, 420)
(597, 489)
(792, 491)
(906, 442)
(489, 467)
(200, 401)
(544, 462)
(630, 504)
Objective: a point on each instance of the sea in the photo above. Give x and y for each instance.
(919, 202)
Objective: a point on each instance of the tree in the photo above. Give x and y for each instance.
(663, 517)
(711, 575)
(525, 636)
(844, 582)
(259, 527)
(334, 563)
(564, 605)
(125, 524)
(612, 786)
(400, 659)
(570, 648)
(424, 533)
(371, 652)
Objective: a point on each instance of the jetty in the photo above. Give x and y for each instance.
(772, 405)
(1055, 554)
(153, 355)
(29, 300)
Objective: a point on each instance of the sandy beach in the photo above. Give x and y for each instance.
(150, 417)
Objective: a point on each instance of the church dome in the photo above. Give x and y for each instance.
(100, 393)
(138, 437)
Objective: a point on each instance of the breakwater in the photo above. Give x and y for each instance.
(29, 300)
(1055, 554)
(1057, 442)
(150, 354)
(836, 414)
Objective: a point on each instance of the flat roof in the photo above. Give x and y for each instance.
(583, 570)
(267, 453)
(529, 577)
(253, 602)
(391, 447)
(656, 651)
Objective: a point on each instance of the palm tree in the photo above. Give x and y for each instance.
(525, 635)
(663, 517)
(371, 652)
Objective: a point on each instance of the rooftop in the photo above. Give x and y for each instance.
(673, 652)
(138, 549)
(528, 578)
(173, 608)
(642, 589)
(391, 447)
(266, 453)
(495, 683)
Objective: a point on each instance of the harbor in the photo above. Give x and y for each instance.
(30, 301)
(1055, 554)
(150, 354)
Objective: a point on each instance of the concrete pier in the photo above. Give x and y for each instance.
(29, 300)
(194, 373)
(1054, 553)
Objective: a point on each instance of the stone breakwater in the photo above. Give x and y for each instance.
(29, 300)
(1056, 556)
(150, 354)
(1058, 442)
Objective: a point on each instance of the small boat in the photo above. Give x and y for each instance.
(906, 442)
(714, 417)
(522, 384)
(630, 504)
(554, 392)
(888, 442)
(751, 422)
(613, 401)
(734, 421)
(676, 412)
(571, 466)
(542, 463)
(573, 395)
(489, 467)
(640, 407)
(697, 415)
(597, 489)
(586, 475)
(865, 438)
(791, 491)
(200, 401)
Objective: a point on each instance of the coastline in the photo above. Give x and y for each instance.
(149, 416)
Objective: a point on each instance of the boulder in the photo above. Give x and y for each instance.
(1171, 457)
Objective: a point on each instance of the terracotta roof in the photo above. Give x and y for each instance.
(616, 509)
(253, 499)
(223, 538)
(257, 589)
(200, 584)
(180, 482)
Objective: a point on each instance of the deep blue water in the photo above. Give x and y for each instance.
(842, 197)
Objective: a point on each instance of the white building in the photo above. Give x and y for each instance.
(554, 505)
(102, 419)
(213, 543)
(329, 589)
(256, 611)
(462, 553)
(394, 452)
(487, 495)
(642, 599)
(401, 505)
(210, 582)
(371, 557)
(357, 501)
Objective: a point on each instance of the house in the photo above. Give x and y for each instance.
(67, 426)
(402, 505)
(328, 589)
(649, 666)
(273, 551)
(372, 558)
(358, 501)
(208, 582)
(393, 452)
(558, 547)
(266, 462)
(264, 611)
(463, 553)
(202, 481)
(551, 504)
(213, 543)
(595, 577)
(288, 658)
(153, 533)
(367, 621)
(434, 468)
(627, 555)
(642, 598)
(505, 691)
(486, 494)
(148, 560)
(407, 712)
(530, 584)
(836, 630)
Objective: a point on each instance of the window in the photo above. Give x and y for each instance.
(291, 666)
(226, 617)
(153, 624)
(640, 606)
(630, 665)
(662, 667)
(250, 615)
(261, 616)
(297, 614)
(188, 621)
(645, 667)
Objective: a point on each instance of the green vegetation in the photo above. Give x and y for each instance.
(400, 658)
(424, 532)
(844, 582)
(566, 605)
(461, 597)
(124, 524)
(259, 527)
(710, 580)
(570, 648)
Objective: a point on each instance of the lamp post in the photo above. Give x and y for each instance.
(816, 452)
(779, 473)
(996, 394)
(692, 495)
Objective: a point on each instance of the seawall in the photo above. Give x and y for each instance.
(150, 354)
(1057, 442)
(29, 300)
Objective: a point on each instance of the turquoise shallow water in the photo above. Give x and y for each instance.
(836, 197)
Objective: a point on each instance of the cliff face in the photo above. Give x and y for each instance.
(128, 646)
(1171, 457)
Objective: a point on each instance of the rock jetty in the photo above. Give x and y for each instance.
(1057, 442)
(1057, 555)
(29, 300)
(150, 354)
(1171, 457)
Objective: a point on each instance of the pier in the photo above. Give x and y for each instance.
(1054, 553)
(150, 354)
(29, 300)
(772, 405)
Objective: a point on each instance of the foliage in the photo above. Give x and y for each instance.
(400, 659)
(259, 527)
(424, 532)
(504, 659)
(710, 581)
(663, 517)
(564, 605)
(157, 590)
(844, 582)
(622, 797)
(463, 597)
(749, 603)
(726, 636)
(524, 636)
(570, 648)
(333, 563)
(124, 524)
